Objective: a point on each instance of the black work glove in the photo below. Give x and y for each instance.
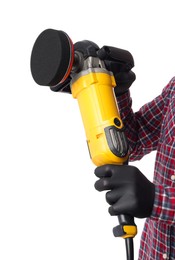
(123, 80)
(131, 193)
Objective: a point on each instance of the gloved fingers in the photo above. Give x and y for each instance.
(123, 78)
(122, 206)
(103, 171)
(123, 81)
(113, 196)
(104, 184)
(115, 210)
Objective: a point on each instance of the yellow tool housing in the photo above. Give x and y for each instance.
(94, 91)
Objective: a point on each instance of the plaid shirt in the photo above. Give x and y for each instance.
(153, 128)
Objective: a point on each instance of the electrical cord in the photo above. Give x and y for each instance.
(129, 248)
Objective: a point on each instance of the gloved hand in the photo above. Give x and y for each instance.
(130, 192)
(123, 80)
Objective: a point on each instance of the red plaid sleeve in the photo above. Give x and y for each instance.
(143, 127)
(164, 205)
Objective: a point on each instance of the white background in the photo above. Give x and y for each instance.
(49, 208)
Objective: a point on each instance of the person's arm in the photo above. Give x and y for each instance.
(143, 127)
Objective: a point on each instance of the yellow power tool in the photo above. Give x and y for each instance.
(87, 71)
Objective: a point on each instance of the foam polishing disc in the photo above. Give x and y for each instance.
(52, 58)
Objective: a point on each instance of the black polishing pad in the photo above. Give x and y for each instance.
(51, 58)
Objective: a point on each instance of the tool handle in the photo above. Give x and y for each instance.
(126, 219)
(126, 228)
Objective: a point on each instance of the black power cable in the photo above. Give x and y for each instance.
(129, 248)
